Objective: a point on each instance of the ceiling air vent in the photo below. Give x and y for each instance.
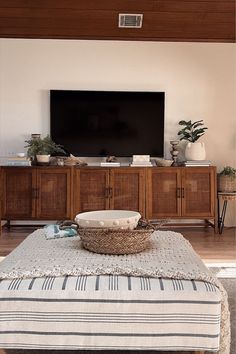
(130, 20)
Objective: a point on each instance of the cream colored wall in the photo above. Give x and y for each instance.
(198, 78)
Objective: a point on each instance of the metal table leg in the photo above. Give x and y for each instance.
(221, 218)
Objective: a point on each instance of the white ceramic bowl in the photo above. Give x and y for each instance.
(20, 154)
(118, 219)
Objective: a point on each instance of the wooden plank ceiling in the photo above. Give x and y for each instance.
(163, 20)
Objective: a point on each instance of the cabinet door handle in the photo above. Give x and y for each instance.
(178, 193)
(182, 192)
(34, 193)
(110, 192)
(107, 192)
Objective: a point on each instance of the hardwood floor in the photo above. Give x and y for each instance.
(211, 247)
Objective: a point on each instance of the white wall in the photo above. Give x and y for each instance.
(199, 80)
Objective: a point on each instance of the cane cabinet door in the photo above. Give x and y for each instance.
(127, 189)
(18, 193)
(91, 191)
(198, 191)
(163, 192)
(54, 193)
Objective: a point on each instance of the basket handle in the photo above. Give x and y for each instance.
(145, 223)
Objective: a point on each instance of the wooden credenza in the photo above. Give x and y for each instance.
(51, 193)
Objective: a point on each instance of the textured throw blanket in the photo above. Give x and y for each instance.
(169, 255)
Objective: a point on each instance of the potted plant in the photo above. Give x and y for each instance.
(227, 179)
(43, 148)
(191, 132)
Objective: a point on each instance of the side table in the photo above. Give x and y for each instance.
(221, 214)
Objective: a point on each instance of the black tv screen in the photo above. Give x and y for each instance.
(102, 123)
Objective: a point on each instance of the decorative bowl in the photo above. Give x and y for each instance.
(163, 163)
(112, 219)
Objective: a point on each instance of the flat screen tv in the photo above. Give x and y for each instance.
(102, 123)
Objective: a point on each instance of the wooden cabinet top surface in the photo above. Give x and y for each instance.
(112, 167)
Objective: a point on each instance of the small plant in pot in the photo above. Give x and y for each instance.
(42, 148)
(227, 180)
(191, 132)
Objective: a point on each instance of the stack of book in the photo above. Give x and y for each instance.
(110, 164)
(18, 161)
(141, 164)
(197, 163)
(141, 161)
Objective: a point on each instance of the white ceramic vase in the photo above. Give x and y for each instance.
(195, 151)
(43, 158)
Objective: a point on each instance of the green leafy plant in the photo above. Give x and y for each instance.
(43, 146)
(228, 171)
(191, 131)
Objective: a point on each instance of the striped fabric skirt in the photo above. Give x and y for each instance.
(109, 312)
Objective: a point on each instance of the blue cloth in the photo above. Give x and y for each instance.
(53, 231)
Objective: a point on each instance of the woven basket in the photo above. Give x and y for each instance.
(226, 184)
(116, 241)
(228, 197)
